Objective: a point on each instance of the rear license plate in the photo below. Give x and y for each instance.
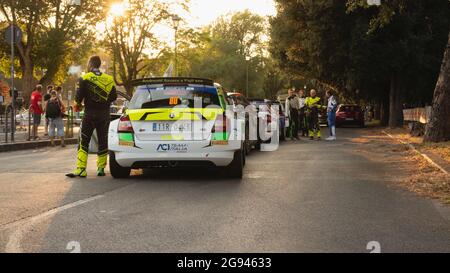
(349, 119)
(171, 127)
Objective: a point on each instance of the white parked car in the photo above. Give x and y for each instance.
(173, 122)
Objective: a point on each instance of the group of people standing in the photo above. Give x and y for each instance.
(52, 106)
(303, 113)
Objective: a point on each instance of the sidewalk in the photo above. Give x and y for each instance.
(21, 140)
(437, 152)
(425, 166)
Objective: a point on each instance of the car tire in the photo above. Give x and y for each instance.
(258, 145)
(116, 170)
(247, 143)
(236, 168)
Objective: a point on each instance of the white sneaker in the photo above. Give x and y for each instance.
(331, 138)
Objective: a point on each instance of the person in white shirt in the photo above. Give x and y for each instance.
(292, 108)
(331, 115)
(303, 127)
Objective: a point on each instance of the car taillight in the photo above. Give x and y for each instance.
(220, 131)
(221, 124)
(125, 125)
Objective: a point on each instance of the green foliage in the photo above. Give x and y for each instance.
(129, 35)
(274, 81)
(233, 39)
(5, 67)
(357, 49)
(56, 35)
(219, 52)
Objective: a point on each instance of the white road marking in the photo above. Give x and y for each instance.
(427, 158)
(20, 227)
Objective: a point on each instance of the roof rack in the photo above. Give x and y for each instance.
(173, 80)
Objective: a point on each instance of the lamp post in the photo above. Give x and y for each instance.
(247, 59)
(13, 36)
(13, 103)
(176, 23)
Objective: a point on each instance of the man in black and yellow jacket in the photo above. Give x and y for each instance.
(313, 106)
(97, 91)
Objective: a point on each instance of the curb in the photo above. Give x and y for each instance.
(427, 158)
(12, 147)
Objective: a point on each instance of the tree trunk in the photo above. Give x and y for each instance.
(377, 111)
(128, 88)
(384, 114)
(28, 79)
(395, 101)
(438, 129)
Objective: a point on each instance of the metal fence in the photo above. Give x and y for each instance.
(6, 125)
(19, 129)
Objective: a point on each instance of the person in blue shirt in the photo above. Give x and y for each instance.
(331, 115)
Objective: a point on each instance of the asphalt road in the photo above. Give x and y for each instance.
(305, 197)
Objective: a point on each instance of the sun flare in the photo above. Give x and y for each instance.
(117, 9)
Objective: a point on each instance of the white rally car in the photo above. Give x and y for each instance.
(172, 122)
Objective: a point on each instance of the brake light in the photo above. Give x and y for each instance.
(125, 125)
(221, 124)
(220, 131)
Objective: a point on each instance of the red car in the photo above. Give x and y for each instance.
(350, 115)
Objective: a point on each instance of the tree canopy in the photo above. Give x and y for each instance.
(222, 51)
(56, 33)
(389, 54)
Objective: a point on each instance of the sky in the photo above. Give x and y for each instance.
(204, 12)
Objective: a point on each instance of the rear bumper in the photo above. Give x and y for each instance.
(148, 160)
(342, 121)
(160, 152)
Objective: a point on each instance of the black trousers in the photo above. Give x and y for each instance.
(302, 124)
(99, 121)
(294, 122)
(313, 123)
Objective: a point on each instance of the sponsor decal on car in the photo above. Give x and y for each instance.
(176, 148)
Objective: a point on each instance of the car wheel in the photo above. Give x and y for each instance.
(258, 145)
(247, 143)
(116, 170)
(236, 167)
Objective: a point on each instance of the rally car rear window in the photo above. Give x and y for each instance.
(166, 96)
